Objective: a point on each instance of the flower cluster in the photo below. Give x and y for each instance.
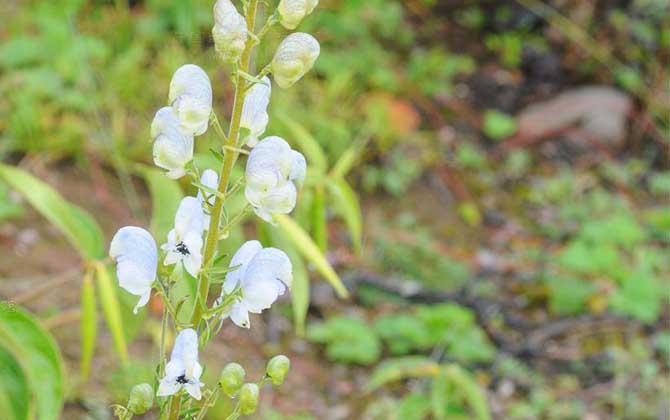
(256, 276)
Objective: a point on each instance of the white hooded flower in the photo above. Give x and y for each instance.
(274, 173)
(191, 97)
(184, 242)
(209, 179)
(255, 111)
(172, 148)
(263, 275)
(291, 12)
(229, 31)
(136, 256)
(295, 56)
(183, 369)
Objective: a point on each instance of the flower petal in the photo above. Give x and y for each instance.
(191, 97)
(295, 56)
(136, 256)
(242, 257)
(189, 217)
(254, 111)
(168, 387)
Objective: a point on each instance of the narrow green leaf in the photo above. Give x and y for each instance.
(307, 144)
(165, 197)
(112, 310)
(391, 370)
(311, 252)
(37, 353)
(319, 222)
(88, 324)
(348, 158)
(469, 389)
(77, 225)
(15, 393)
(299, 294)
(346, 205)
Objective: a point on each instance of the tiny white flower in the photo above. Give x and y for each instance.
(291, 12)
(209, 179)
(172, 148)
(295, 56)
(263, 275)
(136, 256)
(191, 97)
(183, 369)
(184, 242)
(273, 174)
(229, 31)
(255, 111)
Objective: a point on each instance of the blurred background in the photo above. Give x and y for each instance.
(506, 200)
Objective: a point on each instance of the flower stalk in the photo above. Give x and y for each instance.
(228, 162)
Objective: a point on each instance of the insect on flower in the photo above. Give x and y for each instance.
(184, 242)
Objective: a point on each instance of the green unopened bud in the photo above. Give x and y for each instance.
(232, 378)
(277, 368)
(141, 399)
(248, 398)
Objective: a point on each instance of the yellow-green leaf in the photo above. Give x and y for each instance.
(112, 310)
(88, 324)
(347, 159)
(346, 204)
(399, 368)
(306, 246)
(76, 224)
(319, 222)
(469, 389)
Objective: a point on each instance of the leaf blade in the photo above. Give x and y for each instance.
(112, 311)
(87, 325)
(347, 205)
(306, 246)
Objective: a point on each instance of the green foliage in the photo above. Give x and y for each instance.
(32, 369)
(347, 340)
(77, 226)
(498, 125)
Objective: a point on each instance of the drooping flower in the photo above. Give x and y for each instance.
(209, 179)
(191, 98)
(254, 111)
(263, 275)
(184, 242)
(183, 369)
(295, 56)
(172, 148)
(136, 256)
(229, 31)
(274, 172)
(291, 12)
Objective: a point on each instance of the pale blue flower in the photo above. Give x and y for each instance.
(136, 256)
(191, 98)
(172, 149)
(183, 369)
(254, 111)
(184, 242)
(263, 275)
(295, 56)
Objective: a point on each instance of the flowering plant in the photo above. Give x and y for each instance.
(256, 276)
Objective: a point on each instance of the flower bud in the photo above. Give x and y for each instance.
(141, 399)
(229, 32)
(277, 369)
(232, 378)
(248, 398)
(172, 148)
(191, 98)
(255, 111)
(291, 12)
(295, 56)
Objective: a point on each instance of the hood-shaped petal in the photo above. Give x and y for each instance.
(172, 149)
(136, 256)
(254, 111)
(229, 32)
(294, 57)
(189, 217)
(241, 258)
(191, 98)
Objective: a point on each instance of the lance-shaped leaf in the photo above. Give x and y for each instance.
(306, 246)
(112, 310)
(346, 204)
(77, 225)
(88, 324)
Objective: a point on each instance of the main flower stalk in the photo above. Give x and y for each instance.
(230, 156)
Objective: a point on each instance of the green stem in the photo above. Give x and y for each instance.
(228, 163)
(175, 406)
